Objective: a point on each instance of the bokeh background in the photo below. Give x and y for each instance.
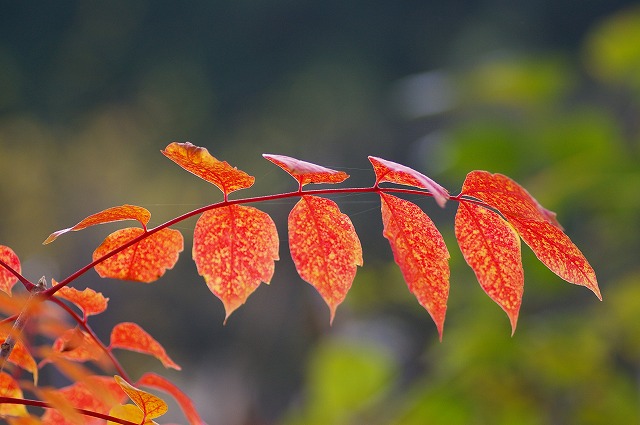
(545, 91)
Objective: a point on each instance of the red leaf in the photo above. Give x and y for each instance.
(507, 196)
(130, 336)
(556, 251)
(491, 247)
(10, 388)
(158, 382)
(144, 261)
(199, 161)
(123, 212)
(536, 225)
(77, 345)
(20, 356)
(8, 279)
(306, 172)
(234, 248)
(151, 406)
(388, 171)
(325, 248)
(420, 252)
(88, 300)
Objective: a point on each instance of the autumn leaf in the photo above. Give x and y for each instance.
(306, 172)
(491, 247)
(61, 404)
(536, 225)
(20, 356)
(325, 248)
(123, 212)
(158, 382)
(199, 161)
(10, 388)
(8, 279)
(87, 300)
(234, 248)
(145, 261)
(131, 336)
(420, 252)
(77, 345)
(150, 405)
(392, 172)
(129, 412)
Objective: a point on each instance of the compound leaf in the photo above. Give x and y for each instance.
(420, 252)
(131, 336)
(158, 382)
(392, 172)
(8, 279)
(325, 248)
(123, 212)
(235, 248)
(145, 261)
(306, 172)
(200, 162)
(491, 247)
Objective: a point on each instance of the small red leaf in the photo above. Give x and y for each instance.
(392, 172)
(77, 345)
(306, 172)
(123, 212)
(145, 261)
(491, 247)
(420, 252)
(556, 251)
(8, 279)
(151, 406)
(325, 248)
(130, 336)
(88, 300)
(199, 161)
(158, 382)
(234, 248)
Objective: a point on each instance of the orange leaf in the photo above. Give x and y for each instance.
(151, 406)
(8, 279)
(10, 388)
(389, 171)
(123, 212)
(130, 336)
(556, 251)
(234, 248)
(128, 412)
(325, 248)
(491, 247)
(420, 252)
(507, 196)
(144, 261)
(21, 357)
(61, 404)
(88, 300)
(77, 345)
(306, 172)
(199, 161)
(158, 382)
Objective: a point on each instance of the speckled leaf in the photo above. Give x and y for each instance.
(131, 336)
(325, 248)
(199, 161)
(392, 172)
(420, 252)
(123, 212)
(234, 248)
(145, 261)
(306, 172)
(87, 300)
(150, 405)
(491, 247)
(8, 279)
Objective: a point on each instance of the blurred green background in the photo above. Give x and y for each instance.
(547, 92)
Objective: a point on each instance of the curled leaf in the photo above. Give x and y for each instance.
(420, 252)
(392, 172)
(150, 405)
(199, 162)
(123, 212)
(325, 248)
(491, 247)
(234, 248)
(145, 261)
(306, 172)
(8, 279)
(158, 382)
(131, 336)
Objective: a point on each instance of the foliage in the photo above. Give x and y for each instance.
(235, 247)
